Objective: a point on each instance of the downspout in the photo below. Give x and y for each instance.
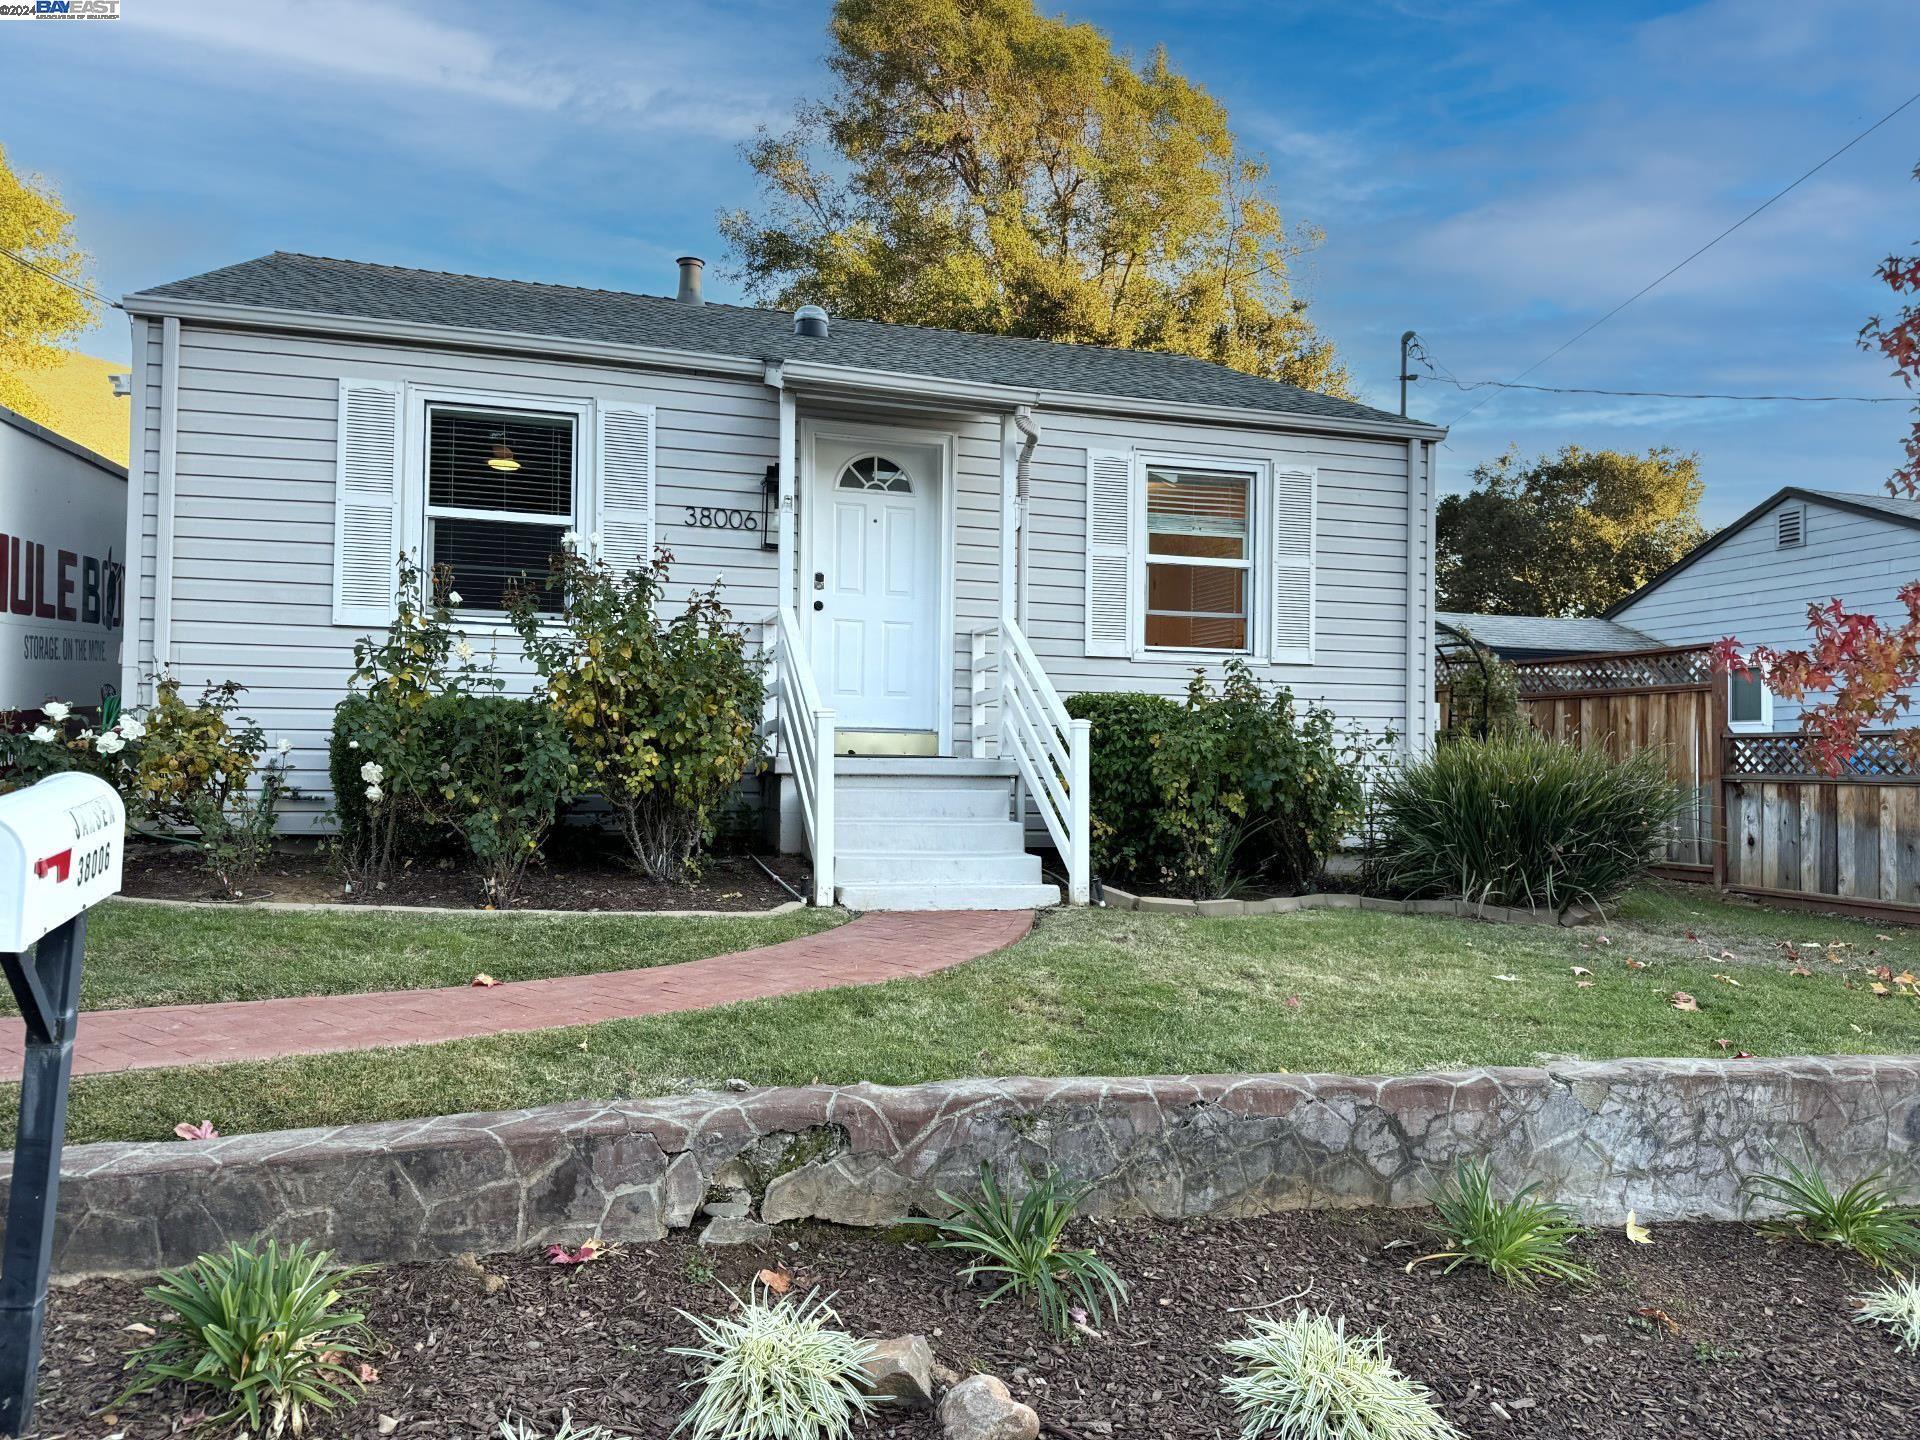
(133, 580)
(163, 522)
(1022, 485)
(1419, 595)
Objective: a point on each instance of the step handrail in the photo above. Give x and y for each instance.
(797, 722)
(1051, 750)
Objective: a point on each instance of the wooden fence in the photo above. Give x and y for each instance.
(1764, 817)
(1649, 700)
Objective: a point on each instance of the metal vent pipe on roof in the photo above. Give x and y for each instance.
(690, 268)
(811, 321)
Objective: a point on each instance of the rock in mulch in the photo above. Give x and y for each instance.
(732, 1205)
(735, 1230)
(901, 1371)
(981, 1409)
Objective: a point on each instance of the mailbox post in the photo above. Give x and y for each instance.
(62, 844)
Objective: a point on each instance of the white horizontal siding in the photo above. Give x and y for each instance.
(1758, 594)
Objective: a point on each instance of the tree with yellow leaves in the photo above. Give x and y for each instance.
(36, 312)
(982, 167)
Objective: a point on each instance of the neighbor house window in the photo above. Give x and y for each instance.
(1749, 702)
(1199, 559)
(500, 490)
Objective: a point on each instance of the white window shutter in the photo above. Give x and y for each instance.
(1110, 512)
(623, 515)
(366, 504)
(1290, 638)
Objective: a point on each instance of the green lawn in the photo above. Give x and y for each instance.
(167, 955)
(1101, 992)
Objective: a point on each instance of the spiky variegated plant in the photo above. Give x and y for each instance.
(1307, 1379)
(1895, 1305)
(775, 1369)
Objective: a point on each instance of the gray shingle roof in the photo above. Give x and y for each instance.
(1543, 636)
(348, 288)
(1899, 508)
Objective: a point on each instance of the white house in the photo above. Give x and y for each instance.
(959, 529)
(1755, 579)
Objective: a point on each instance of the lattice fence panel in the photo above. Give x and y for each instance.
(1882, 755)
(1653, 670)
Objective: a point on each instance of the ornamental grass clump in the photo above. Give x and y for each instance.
(1896, 1305)
(1863, 1218)
(1018, 1244)
(1307, 1379)
(1519, 1240)
(776, 1369)
(261, 1328)
(1521, 820)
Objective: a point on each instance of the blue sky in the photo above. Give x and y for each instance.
(1492, 173)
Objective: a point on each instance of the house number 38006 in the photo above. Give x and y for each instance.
(706, 517)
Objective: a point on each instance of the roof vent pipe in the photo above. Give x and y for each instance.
(690, 268)
(811, 321)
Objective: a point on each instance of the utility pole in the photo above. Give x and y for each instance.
(1407, 341)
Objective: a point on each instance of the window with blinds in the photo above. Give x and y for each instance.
(500, 491)
(1199, 559)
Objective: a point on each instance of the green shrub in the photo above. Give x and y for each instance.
(1483, 695)
(1307, 1379)
(1019, 1246)
(1128, 841)
(663, 713)
(1520, 820)
(776, 1370)
(1237, 783)
(1896, 1305)
(1864, 1218)
(1519, 1240)
(261, 1329)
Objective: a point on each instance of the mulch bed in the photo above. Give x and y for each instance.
(580, 874)
(1708, 1332)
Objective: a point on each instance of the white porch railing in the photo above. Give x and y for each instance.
(800, 727)
(1050, 749)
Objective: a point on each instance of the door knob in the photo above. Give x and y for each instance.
(819, 604)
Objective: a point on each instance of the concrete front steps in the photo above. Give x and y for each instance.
(931, 833)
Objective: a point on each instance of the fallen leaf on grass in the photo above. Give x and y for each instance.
(778, 1281)
(1683, 1001)
(1659, 1317)
(1580, 970)
(1633, 964)
(1728, 980)
(1905, 977)
(1292, 1002)
(1508, 978)
(1583, 984)
(1801, 971)
(482, 981)
(1636, 1232)
(187, 1130)
(1602, 940)
(1881, 990)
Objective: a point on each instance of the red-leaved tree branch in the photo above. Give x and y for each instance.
(1866, 667)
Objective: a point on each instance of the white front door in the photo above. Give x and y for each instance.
(872, 588)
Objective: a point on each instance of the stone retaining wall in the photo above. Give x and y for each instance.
(1669, 1139)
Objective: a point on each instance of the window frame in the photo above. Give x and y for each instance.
(1258, 475)
(1762, 726)
(419, 514)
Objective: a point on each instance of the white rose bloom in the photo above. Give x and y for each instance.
(45, 734)
(56, 710)
(372, 773)
(285, 747)
(570, 541)
(464, 651)
(453, 597)
(594, 539)
(110, 744)
(130, 728)
(374, 793)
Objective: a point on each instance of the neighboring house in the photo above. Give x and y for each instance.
(1534, 637)
(63, 526)
(938, 534)
(1755, 579)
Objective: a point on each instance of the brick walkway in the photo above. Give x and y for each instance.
(865, 951)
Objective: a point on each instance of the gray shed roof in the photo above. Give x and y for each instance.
(1543, 637)
(313, 285)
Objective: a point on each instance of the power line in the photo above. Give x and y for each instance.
(82, 290)
(1674, 270)
(1451, 379)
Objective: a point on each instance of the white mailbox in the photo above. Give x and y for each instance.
(62, 844)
